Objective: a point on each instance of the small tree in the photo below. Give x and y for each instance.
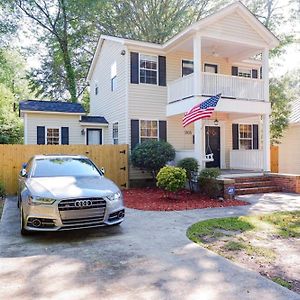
(172, 179)
(152, 156)
(190, 165)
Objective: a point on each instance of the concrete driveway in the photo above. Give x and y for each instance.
(147, 257)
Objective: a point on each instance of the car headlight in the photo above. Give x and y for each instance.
(114, 197)
(40, 201)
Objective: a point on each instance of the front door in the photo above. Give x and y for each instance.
(213, 145)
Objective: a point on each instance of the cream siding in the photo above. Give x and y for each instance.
(110, 104)
(233, 27)
(54, 120)
(289, 158)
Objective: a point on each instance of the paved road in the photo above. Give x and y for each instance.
(147, 257)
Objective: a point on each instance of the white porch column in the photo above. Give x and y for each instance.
(266, 143)
(265, 73)
(198, 142)
(197, 65)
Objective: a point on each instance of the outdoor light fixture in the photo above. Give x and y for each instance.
(216, 122)
(82, 132)
(123, 52)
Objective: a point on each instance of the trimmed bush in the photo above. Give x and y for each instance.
(2, 190)
(152, 156)
(172, 179)
(208, 182)
(190, 165)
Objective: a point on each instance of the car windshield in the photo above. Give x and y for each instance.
(65, 166)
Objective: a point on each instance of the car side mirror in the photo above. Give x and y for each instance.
(102, 170)
(23, 173)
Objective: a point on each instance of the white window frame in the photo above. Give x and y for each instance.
(145, 137)
(147, 54)
(113, 76)
(59, 134)
(244, 69)
(186, 59)
(246, 139)
(113, 132)
(211, 63)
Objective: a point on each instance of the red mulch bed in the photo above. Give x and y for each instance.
(156, 199)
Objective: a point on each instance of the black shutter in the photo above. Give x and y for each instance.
(162, 71)
(235, 136)
(254, 73)
(40, 135)
(163, 131)
(65, 135)
(255, 136)
(260, 71)
(135, 133)
(134, 67)
(234, 71)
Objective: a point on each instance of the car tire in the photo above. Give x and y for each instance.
(23, 230)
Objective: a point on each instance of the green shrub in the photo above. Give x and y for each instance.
(152, 155)
(190, 165)
(208, 182)
(2, 190)
(171, 178)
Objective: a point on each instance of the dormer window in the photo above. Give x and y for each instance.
(148, 69)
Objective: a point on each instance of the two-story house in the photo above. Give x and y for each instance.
(143, 89)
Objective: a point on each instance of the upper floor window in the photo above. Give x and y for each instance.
(148, 69)
(52, 137)
(187, 67)
(115, 133)
(245, 136)
(210, 68)
(244, 72)
(148, 130)
(113, 77)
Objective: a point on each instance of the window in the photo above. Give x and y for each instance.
(246, 136)
(148, 69)
(52, 137)
(148, 130)
(113, 76)
(210, 68)
(243, 72)
(94, 136)
(187, 67)
(115, 133)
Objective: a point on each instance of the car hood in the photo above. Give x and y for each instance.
(71, 187)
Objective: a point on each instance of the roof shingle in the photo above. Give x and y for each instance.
(93, 119)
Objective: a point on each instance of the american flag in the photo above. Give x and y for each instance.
(201, 111)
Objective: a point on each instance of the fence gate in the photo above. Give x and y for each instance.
(113, 158)
(274, 159)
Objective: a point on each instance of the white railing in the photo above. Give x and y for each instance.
(180, 88)
(246, 159)
(212, 84)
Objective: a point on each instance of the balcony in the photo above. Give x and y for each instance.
(230, 86)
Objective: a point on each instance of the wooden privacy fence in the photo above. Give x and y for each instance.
(113, 158)
(274, 159)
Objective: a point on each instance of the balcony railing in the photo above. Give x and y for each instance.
(212, 84)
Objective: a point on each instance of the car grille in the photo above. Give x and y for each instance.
(91, 212)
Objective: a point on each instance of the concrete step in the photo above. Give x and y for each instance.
(257, 190)
(250, 184)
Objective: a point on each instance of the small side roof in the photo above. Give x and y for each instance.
(93, 119)
(295, 112)
(51, 106)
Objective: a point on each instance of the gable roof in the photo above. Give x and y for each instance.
(93, 119)
(270, 39)
(295, 112)
(51, 106)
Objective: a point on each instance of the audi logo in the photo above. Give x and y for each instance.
(83, 203)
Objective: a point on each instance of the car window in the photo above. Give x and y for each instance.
(52, 167)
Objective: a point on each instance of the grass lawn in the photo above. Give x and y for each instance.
(268, 244)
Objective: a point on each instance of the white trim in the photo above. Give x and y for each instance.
(222, 125)
(25, 129)
(112, 132)
(157, 76)
(53, 112)
(59, 133)
(87, 124)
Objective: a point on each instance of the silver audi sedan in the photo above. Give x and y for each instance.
(63, 192)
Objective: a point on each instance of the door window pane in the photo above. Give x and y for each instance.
(94, 137)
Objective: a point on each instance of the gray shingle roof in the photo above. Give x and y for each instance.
(93, 119)
(295, 111)
(52, 106)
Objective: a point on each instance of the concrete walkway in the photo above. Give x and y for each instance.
(147, 257)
